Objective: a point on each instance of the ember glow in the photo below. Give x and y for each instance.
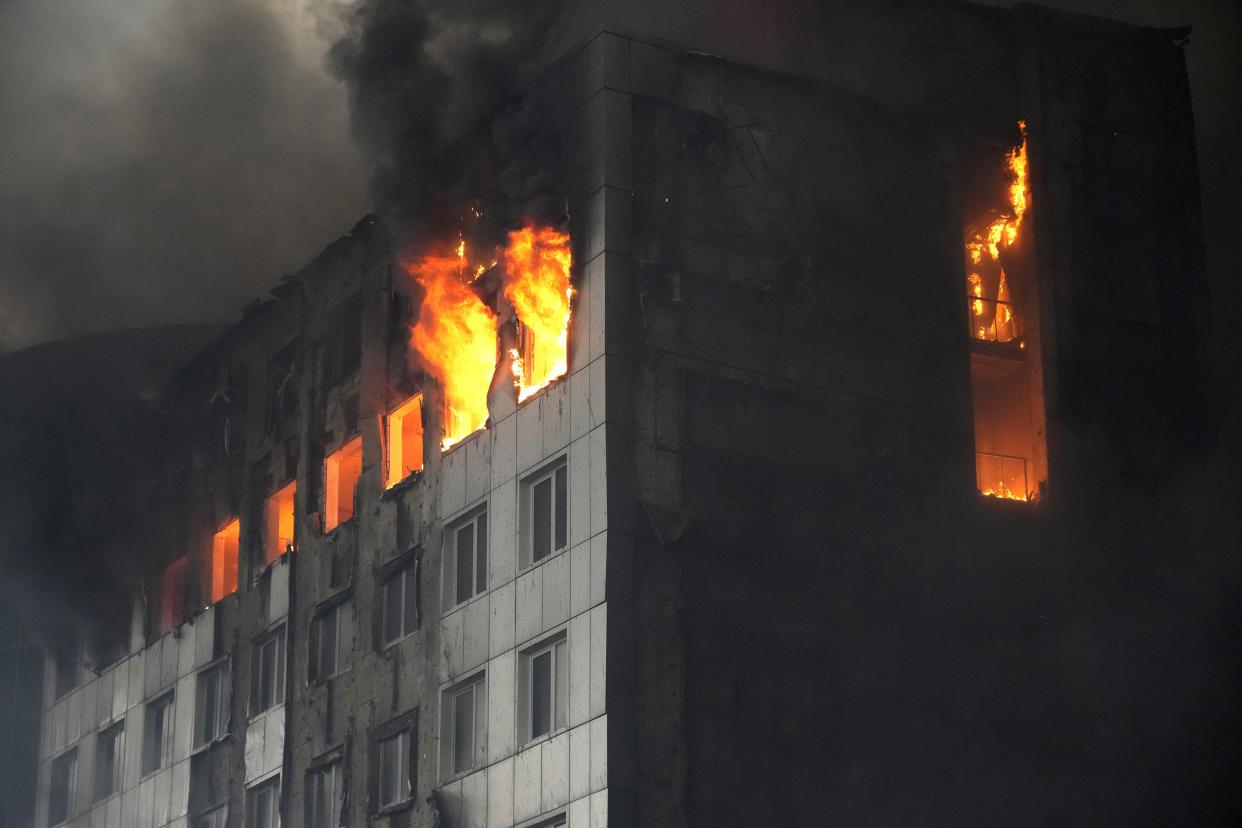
(455, 337)
(991, 310)
(537, 262)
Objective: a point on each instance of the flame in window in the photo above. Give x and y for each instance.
(537, 262)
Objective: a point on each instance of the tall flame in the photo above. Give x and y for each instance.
(456, 338)
(1003, 231)
(537, 262)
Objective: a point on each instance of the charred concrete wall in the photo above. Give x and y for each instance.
(831, 624)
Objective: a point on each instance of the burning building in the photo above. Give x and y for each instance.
(760, 490)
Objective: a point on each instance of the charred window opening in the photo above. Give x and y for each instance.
(67, 663)
(282, 386)
(405, 441)
(173, 583)
(225, 546)
(1001, 293)
(278, 538)
(342, 469)
(343, 353)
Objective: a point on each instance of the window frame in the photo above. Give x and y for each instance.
(253, 792)
(279, 668)
(314, 775)
(558, 518)
(338, 611)
(476, 519)
(70, 757)
(331, 489)
(115, 735)
(395, 469)
(220, 812)
(221, 672)
(405, 569)
(556, 646)
(402, 739)
(157, 757)
(450, 751)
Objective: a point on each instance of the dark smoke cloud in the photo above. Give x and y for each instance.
(421, 74)
(162, 161)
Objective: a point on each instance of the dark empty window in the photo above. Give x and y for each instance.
(109, 754)
(63, 787)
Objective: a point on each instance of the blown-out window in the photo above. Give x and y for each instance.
(342, 469)
(225, 546)
(279, 516)
(405, 440)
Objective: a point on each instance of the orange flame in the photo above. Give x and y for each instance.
(456, 338)
(537, 261)
(1003, 231)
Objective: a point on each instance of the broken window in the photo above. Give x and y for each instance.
(394, 768)
(544, 687)
(67, 663)
(545, 512)
(400, 603)
(405, 440)
(212, 715)
(282, 385)
(268, 676)
(279, 516)
(157, 734)
(463, 726)
(109, 760)
(343, 351)
(342, 469)
(332, 639)
(263, 804)
(325, 792)
(225, 546)
(465, 558)
(62, 790)
(1002, 308)
(172, 594)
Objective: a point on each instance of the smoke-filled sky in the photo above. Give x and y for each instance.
(164, 161)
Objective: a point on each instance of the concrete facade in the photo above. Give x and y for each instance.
(782, 596)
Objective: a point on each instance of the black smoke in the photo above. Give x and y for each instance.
(422, 76)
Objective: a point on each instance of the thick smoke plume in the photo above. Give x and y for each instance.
(423, 74)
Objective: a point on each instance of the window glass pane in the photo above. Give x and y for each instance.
(480, 567)
(278, 686)
(344, 637)
(560, 669)
(465, 562)
(540, 693)
(562, 499)
(410, 614)
(267, 667)
(327, 643)
(392, 609)
(463, 730)
(388, 771)
(211, 702)
(541, 520)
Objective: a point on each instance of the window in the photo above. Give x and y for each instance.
(215, 818)
(463, 726)
(465, 558)
(157, 734)
(268, 677)
(544, 689)
(394, 769)
(263, 805)
(401, 603)
(66, 664)
(557, 821)
(342, 469)
(224, 550)
(279, 514)
(324, 796)
(545, 508)
(172, 594)
(1002, 309)
(109, 760)
(405, 440)
(63, 787)
(212, 715)
(332, 638)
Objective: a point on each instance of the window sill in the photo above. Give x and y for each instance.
(395, 807)
(524, 568)
(478, 596)
(460, 775)
(254, 717)
(206, 746)
(546, 737)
